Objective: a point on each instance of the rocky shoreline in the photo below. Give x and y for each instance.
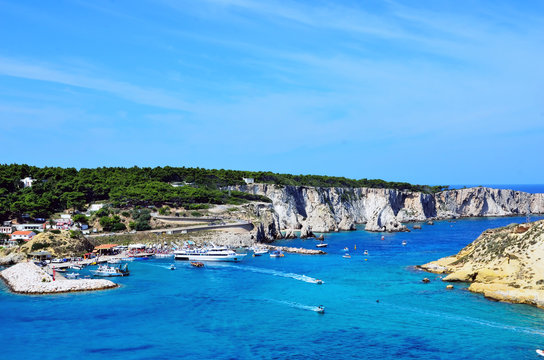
(28, 278)
(504, 264)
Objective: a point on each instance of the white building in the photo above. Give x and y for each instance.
(6, 229)
(28, 227)
(22, 235)
(27, 182)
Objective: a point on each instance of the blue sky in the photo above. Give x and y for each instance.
(441, 92)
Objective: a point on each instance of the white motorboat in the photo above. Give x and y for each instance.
(76, 267)
(216, 253)
(365, 252)
(322, 245)
(172, 267)
(72, 275)
(259, 251)
(114, 261)
(106, 270)
(320, 309)
(346, 256)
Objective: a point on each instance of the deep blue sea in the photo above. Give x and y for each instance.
(263, 308)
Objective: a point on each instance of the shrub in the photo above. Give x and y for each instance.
(55, 231)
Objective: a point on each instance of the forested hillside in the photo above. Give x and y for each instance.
(57, 189)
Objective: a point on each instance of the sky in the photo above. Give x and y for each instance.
(428, 92)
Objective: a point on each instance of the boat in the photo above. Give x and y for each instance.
(259, 251)
(318, 282)
(72, 275)
(76, 267)
(320, 309)
(197, 264)
(172, 267)
(347, 256)
(276, 253)
(114, 261)
(183, 253)
(365, 252)
(125, 259)
(216, 253)
(404, 243)
(383, 237)
(106, 270)
(321, 245)
(346, 249)
(540, 352)
(61, 270)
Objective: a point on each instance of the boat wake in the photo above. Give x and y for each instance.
(272, 272)
(296, 305)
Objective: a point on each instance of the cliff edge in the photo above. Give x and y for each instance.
(504, 264)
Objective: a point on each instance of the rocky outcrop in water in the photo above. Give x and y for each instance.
(335, 209)
(504, 264)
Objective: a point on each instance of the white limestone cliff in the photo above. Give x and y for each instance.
(334, 209)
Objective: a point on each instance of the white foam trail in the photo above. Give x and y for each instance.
(295, 305)
(272, 272)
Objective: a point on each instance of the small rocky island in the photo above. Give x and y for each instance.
(504, 264)
(28, 278)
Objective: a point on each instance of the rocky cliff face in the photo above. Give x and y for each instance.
(505, 264)
(334, 209)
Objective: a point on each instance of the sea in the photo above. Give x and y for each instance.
(376, 307)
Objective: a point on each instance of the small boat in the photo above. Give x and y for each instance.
(320, 309)
(259, 251)
(318, 282)
(276, 253)
(404, 243)
(321, 245)
(172, 267)
(347, 256)
(197, 264)
(72, 275)
(540, 352)
(346, 249)
(76, 267)
(365, 252)
(106, 270)
(383, 237)
(60, 270)
(125, 259)
(114, 261)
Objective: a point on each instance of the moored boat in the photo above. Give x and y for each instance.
(276, 253)
(322, 245)
(197, 264)
(216, 253)
(259, 251)
(106, 270)
(72, 275)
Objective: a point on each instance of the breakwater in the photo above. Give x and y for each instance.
(28, 278)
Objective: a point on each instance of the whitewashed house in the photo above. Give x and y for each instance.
(22, 235)
(27, 182)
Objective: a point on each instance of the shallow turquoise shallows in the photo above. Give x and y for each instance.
(264, 308)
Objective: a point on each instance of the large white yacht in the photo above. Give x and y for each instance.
(183, 253)
(216, 253)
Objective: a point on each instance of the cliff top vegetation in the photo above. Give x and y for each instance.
(56, 189)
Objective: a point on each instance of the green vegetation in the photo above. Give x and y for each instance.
(57, 189)
(141, 220)
(112, 223)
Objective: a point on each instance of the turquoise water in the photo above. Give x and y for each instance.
(263, 308)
